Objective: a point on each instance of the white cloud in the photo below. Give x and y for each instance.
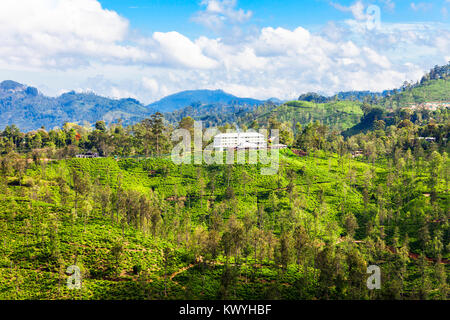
(55, 33)
(118, 93)
(218, 13)
(150, 84)
(281, 62)
(280, 41)
(178, 50)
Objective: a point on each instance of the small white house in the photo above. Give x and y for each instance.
(239, 140)
(88, 155)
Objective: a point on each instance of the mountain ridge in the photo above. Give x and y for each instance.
(187, 98)
(29, 109)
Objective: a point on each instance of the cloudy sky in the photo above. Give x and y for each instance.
(147, 49)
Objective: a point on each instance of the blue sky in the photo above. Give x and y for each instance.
(169, 15)
(147, 49)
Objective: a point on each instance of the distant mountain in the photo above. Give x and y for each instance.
(197, 98)
(28, 109)
(11, 86)
(277, 101)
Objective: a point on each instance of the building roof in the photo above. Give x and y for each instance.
(237, 134)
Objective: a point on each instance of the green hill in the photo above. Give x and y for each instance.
(148, 229)
(433, 87)
(339, 115)
(429, 91)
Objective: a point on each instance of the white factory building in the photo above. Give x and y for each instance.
(239, 140)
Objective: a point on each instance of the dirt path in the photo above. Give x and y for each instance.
(198, 261)
(173, 275)
(412, 255)
(416, 256)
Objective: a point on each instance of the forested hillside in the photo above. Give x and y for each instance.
(429, 91)
(150, 229)
(337, 115)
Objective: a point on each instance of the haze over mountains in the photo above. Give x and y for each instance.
(29, 109)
